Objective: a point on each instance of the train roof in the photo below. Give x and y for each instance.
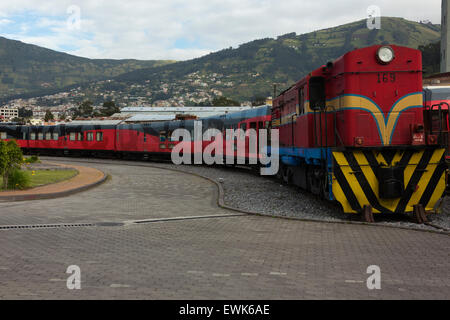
(437, 88)
(250, 113)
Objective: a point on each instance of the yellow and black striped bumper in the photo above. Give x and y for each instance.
(356, 179)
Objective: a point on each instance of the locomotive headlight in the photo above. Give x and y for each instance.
(385, 55)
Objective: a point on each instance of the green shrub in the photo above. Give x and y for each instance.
(18, 180)
(32, 159)
(11, 158)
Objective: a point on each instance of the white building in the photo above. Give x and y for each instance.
(39, 112)
(9, 113)
(36, 122)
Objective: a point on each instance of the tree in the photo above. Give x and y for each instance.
(11, 158)
(258, 101)
(85, 110)
(20, 121)
(25, 113)
(431, 57)
(224, 102)
(48, 116)
(109, 108)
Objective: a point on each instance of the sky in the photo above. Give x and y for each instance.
(182, 29)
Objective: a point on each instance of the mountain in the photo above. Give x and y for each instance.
(243, 73)
(254, 67)
(26, 68)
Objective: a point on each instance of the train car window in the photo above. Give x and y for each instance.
(89, 136)
(3, 135)
(80, 136)
(24, 136)
(253, 125)
(99, 136)
(48, 136)
(439, 94)
(242, 131)
(40, 136)
(261, 125)
(32, 136)
(169, 135)
(317, 96)
(145, 137)
(301, 101)
(72, 136)
(55, 136)
(162, 136)
(267, 124)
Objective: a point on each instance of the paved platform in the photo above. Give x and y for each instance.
(85, 179)
(240, 257)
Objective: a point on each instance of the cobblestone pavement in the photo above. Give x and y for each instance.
(132, 193)
(250, 192)
(243, 257)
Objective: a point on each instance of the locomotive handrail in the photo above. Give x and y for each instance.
(444, 135)
(315, 129)
(441, 131)
(336, 132)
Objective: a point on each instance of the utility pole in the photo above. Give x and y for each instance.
(445, 40)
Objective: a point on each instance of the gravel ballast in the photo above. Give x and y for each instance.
(247, 191)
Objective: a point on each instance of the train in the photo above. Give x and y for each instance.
(355, 131)
(139, 141)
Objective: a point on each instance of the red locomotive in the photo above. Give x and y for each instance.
(353, 131)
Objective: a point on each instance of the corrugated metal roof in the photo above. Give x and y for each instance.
(94, 122)
(154, 117)
(184, 109)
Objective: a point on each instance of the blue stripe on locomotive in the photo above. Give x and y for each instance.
(293, 156)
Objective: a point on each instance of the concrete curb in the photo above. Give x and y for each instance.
(221, 204)
(54, 195)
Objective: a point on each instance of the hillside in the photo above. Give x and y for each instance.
(251, 69)
(243, 73)
(27, 68)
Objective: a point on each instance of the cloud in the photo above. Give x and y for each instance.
(5, 21)
(180, 29)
